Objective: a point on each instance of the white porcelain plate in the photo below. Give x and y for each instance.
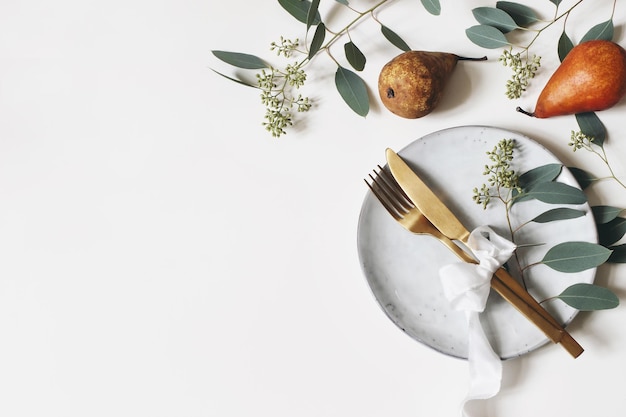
(402, 268)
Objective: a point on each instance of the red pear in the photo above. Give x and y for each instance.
(592, 77)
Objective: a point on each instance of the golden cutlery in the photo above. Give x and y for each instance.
(403, 209)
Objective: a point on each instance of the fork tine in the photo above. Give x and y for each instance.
(387, 190)
(382, 198)
(389, 193)
(394, 187)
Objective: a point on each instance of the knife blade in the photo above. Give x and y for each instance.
(508, 287)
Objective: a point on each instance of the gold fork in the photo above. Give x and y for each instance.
(401, 208)
(399, 205)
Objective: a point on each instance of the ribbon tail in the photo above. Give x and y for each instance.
(485, 366)
(467, 287)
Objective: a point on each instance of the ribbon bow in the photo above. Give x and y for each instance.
(467, 287)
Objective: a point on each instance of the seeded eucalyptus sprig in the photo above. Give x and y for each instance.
(524, 69)
(496, 25)
(611, 225)
(504, 184)
(279, 87)
(592, 138)
(501, 177)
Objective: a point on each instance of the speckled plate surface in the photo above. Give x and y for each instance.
(401, 268)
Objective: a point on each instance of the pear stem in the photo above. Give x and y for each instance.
(519, 109)
(464, 58)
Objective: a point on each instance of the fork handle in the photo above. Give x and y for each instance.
(513, 292)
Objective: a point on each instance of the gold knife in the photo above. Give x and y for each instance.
(508, 287)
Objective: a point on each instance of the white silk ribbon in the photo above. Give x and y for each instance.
(467, 287)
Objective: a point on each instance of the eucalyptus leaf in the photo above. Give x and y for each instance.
(589, 297)
(584, 178)
(529, 179)
(557, 193)
(318, 40)
(312, 13)
(591, 125)
(544, 173)
(300, 10)
(238, 81)
(565, 45)
(354, 56)
(605, 214)
(495, 17)
(521, 14)
(562, 213)
(486, 36)
(394, 38)
(520, 197)
(619, 254)
(611, 232)
(353, 90)
(432, 6)
(604, 31)
(556, 2)
(239, 60)
(344, 2)
(576, 256)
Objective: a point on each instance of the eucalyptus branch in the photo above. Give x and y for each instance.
(540, 184)
(556, 19)
(580, 140)
(279, 86)
(360, 15)
(497, 22)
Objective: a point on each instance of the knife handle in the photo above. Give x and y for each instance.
(514, 293)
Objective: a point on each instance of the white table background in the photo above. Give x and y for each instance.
(161, 255)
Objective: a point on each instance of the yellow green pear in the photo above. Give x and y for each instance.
(412, 84)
